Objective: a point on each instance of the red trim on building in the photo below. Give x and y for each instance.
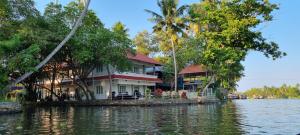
(157, 80)
(142, 58)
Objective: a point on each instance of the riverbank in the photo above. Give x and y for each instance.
(147, 102)
(10, 107)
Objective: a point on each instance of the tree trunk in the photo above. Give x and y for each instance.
(83, 89)
(53, 81)
(110, 82)
(67, 38)
(30, 93)
(209, 83)
(175, 65)
(41, 86)
(91, 93)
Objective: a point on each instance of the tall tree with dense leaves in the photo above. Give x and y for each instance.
(146, 43)
(62, 43)
(82, 51)
(116, 51)
(227, 32)
(171, 25)
(18, 48)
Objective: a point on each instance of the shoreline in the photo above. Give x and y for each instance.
(14, 107)
(125, 103)
(10, 108)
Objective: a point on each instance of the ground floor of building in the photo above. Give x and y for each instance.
(101, 89)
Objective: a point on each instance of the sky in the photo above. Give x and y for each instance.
(259, 70)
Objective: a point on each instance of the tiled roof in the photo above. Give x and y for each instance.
(193, 69)
(142, 58)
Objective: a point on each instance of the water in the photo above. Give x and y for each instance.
(237, 117)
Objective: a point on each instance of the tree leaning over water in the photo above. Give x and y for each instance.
(171, 25)
(72, 32)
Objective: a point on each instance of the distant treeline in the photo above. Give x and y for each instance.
(285, 91)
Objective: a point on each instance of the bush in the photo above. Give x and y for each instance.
(183, 95)
(158, 93)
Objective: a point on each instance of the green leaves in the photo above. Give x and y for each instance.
(227, 30)
(284, 91)
(25, 60)
(146, 43)
(7, 46)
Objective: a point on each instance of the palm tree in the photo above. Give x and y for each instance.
(171, 22)
(62, 43)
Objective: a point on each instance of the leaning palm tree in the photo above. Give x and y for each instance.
(62, 43)
(171, 22)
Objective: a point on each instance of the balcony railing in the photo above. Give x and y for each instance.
(137, 75)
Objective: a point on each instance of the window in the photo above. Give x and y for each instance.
(99, 89)
(135, 69)
(144, 69)
(99, 68)
(122, 89)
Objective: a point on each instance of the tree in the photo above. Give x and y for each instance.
(83, 52)
(72, 32)
(146, 43)
(116, 51)
(226, 32)
(120, 28)
(170, 25)
(17, 55)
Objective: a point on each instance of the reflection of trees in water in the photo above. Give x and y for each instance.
(229, 120)
(202, 119)
(41, 121)
(195, 119)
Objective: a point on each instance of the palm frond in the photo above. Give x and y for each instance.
(156, 20)
(177, 29)
(180, 10)
(156, 15)
(164, 7)
(159, 4)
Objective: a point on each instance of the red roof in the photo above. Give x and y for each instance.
(193, 69)
(142, 58)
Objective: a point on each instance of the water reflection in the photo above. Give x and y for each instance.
(187, 120)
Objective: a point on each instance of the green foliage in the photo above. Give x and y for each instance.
(226, 32)
(169, 28)
(120, 28)
(170, 24)
(8, 46)
(284, 91)
(20, 25)
(26, 38)
(146, 43)
(25, 60)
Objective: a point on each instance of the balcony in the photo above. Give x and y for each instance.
(136, 75)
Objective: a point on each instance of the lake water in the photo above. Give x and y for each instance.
(237, 117)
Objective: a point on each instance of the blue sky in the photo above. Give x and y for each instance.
(259, 70)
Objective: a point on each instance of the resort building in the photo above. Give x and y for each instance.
(129, 84)
(193, 77)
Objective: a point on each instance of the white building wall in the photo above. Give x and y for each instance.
(116, 82)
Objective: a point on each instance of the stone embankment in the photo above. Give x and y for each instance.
(208, 99)
(10, 107)
(144, 102)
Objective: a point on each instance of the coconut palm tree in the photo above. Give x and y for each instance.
(172, 23)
